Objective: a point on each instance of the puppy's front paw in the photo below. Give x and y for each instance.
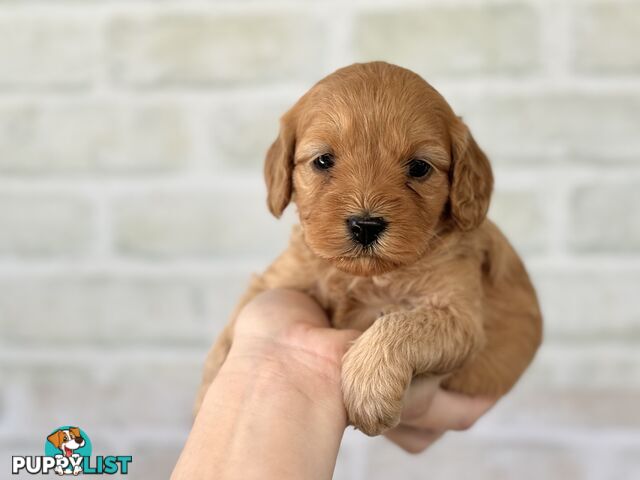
(373, 388)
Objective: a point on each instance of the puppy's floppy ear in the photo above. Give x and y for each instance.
(471, 179)
(56, 438)
(278, 166)
(75, 431)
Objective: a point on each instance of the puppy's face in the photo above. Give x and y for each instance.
(371, 180)
(370, 155)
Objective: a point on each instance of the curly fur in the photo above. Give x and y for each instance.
(442, 292)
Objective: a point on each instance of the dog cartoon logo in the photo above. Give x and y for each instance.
(68, 443)
(67, 451)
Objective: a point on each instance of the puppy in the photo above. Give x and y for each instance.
(67, 441)
(392, 194)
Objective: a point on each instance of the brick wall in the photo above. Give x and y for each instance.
(132, 209)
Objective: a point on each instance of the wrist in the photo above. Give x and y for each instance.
(272, 403)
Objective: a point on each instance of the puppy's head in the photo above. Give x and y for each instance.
(378, 165)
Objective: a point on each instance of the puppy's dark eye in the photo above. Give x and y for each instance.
(323, 162)
(419, 168)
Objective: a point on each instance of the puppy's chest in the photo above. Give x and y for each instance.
(356, 302)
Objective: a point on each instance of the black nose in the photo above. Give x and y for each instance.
(365, 230)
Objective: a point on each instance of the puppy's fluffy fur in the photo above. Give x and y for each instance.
(441, 292)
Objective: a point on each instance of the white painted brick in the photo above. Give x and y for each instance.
(457, 456)
(92, 137)
(594, 365)
(521, 216)
(565, 408)
(352, 456)
(112, 310)
(46, 52)
(195, 50)
(133, 382)
(155, 459)
(606, 217)
(40, 225)
(29, 386)
(129, 396)
(626, 464)
(11, 446)
(451, 40)
(600, 126)
(589, 304)
(241, 132)
(216, 224)
(221, 296)
(136, 341)
(607, 37)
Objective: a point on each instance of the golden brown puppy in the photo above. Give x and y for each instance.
(392, 193)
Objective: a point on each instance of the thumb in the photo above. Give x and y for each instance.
(337, 342)
(346, 338)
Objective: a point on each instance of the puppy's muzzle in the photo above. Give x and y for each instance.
(366, 230)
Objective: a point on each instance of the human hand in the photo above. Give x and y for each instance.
(429, 412)
(282, 320)
(290, 330)
(276, 399)
(285, 336)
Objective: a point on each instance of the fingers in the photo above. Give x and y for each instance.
(411, 439)
(418, 398)
(430, 411)
(344, 338)
(330, 342)
(450, 411)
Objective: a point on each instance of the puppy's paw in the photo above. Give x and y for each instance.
(373, 389)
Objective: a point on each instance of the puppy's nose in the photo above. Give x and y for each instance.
(365, 230)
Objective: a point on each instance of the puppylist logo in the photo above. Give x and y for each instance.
(67, 451)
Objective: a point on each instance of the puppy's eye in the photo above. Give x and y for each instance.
(323, 162)
(419, 168)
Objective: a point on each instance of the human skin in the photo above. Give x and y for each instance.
(275, 409)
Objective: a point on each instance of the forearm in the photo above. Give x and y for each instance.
(265, 418)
